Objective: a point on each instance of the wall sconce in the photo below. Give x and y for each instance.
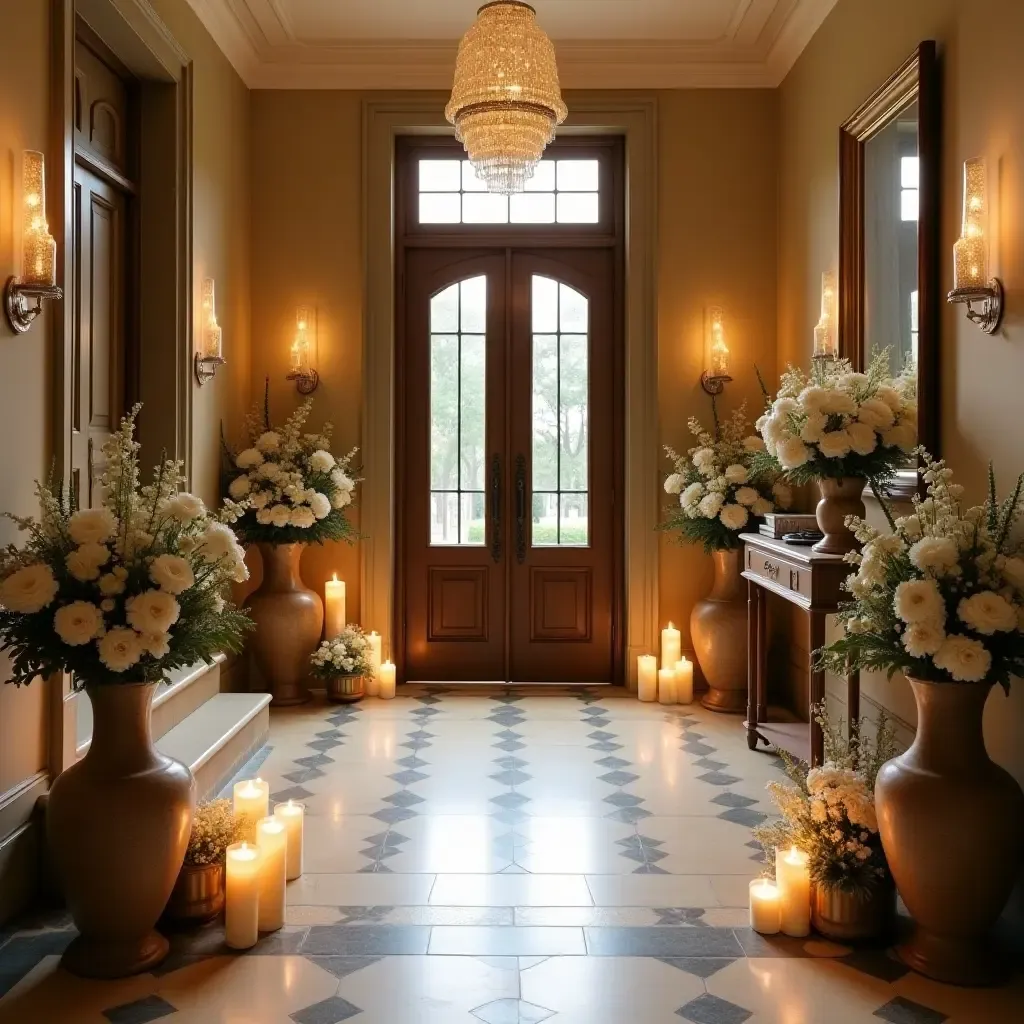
(304, 352)
(209, 356)
(23, 297)
(826, 337)
(971, 282)
(716, 353)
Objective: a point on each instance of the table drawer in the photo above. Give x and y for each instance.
(783, 573)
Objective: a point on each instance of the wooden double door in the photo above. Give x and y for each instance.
(509, 518)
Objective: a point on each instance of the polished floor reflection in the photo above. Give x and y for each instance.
(507, 856)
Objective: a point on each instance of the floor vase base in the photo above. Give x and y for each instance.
(88, 958)
(953, 961)
(725, 702)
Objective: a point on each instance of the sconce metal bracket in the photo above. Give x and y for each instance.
(305, 383)
(990, 315)
(206, 367)
(20, 312)
(713, 385)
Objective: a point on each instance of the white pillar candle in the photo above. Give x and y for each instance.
(293, 815)
(242, 895)
(671, 646)
(334, 607)
(647, 677)
(251, 799)
(684, 681)
(793, 877)
(373, 682)
(765, 909)
(386, 677)
(272, 839)
(666, 686)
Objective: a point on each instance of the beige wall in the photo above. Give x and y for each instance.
(859, 45)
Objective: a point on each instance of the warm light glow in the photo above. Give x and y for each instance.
(303, 350)
(970, 252)
(506, 101)
(244, 852)
(796, 857)
(716, 354)
(765, 889)
(212, 334)
(39, 250)
(826, 337)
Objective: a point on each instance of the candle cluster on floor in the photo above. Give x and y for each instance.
(258, 868)
(785, 904)
(673, 682)
(381, 681)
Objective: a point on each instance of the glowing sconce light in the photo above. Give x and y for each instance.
(971, 282)
(210, 353)
(716, 353)
(23, 297)
(826, 337)
(304, 352)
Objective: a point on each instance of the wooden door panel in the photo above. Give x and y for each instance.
(459, 603)
(561, 603)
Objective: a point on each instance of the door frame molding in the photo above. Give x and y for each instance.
(635, 119)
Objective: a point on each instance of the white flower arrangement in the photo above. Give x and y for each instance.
(720, 491)
(835, 423)
(286, 487)
(829, 811)
(941, 597)
(123, 592)
(347, 654)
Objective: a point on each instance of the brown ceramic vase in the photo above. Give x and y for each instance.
(118, 823)
(952, 825)
(289, 619)
(718, 626)
(853, 917)
(840, 497)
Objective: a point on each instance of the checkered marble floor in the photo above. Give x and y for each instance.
(506, 856)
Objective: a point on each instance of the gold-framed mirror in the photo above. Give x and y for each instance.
(889, 166)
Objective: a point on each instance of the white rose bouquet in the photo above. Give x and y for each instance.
(941, 597)
(837, 423)
(719, 489)
(124, 592)
(829, 812)
(347, 654)
(286, 487)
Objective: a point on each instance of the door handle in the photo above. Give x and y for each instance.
(496, 508)
(520, 508)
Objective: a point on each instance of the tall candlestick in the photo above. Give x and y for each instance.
(671, 646)
(242, 895)
(251, 800)
(272, 839)
(793, 877)
(666, 686)
(765, 909)
(293, 815)
(373, 681)
(334, 607)
(387, 680)
(647, 677)
(684, 681)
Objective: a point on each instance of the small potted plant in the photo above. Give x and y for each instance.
(198, 894)
(721, 495)
(342, 663)
(828, 812)
(840, 429)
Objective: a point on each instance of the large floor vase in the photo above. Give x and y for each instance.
(718, 626)
(840, 497)
(952, 825)
(118, 823)
(289, 619)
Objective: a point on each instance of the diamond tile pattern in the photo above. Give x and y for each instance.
(327, 1011)
(906, 1011)
(140, 1011)
(709, 1009)
(512, 1011)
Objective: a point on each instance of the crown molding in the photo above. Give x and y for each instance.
(429, 64)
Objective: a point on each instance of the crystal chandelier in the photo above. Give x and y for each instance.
(505, 101)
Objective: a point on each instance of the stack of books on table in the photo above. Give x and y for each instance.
(777, 524)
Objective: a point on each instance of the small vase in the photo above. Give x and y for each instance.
(718, 626)
(118, 823)
(840, 497)
(952, 826)
(345, 689)
(289, 619)
(853, 917)
(198, 894)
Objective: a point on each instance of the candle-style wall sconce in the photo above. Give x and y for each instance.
(716, 353)
(304, 352)
(826, 334)
(210, 354)
(24, 296)
(971, 282)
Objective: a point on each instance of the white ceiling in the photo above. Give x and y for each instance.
(369, 44)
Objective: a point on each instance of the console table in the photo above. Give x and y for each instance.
(813, 582)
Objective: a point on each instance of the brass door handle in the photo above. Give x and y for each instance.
(496, 508)
(520, 508)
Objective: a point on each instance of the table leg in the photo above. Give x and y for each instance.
(816, 639)
(762, 655)
(753, 592)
